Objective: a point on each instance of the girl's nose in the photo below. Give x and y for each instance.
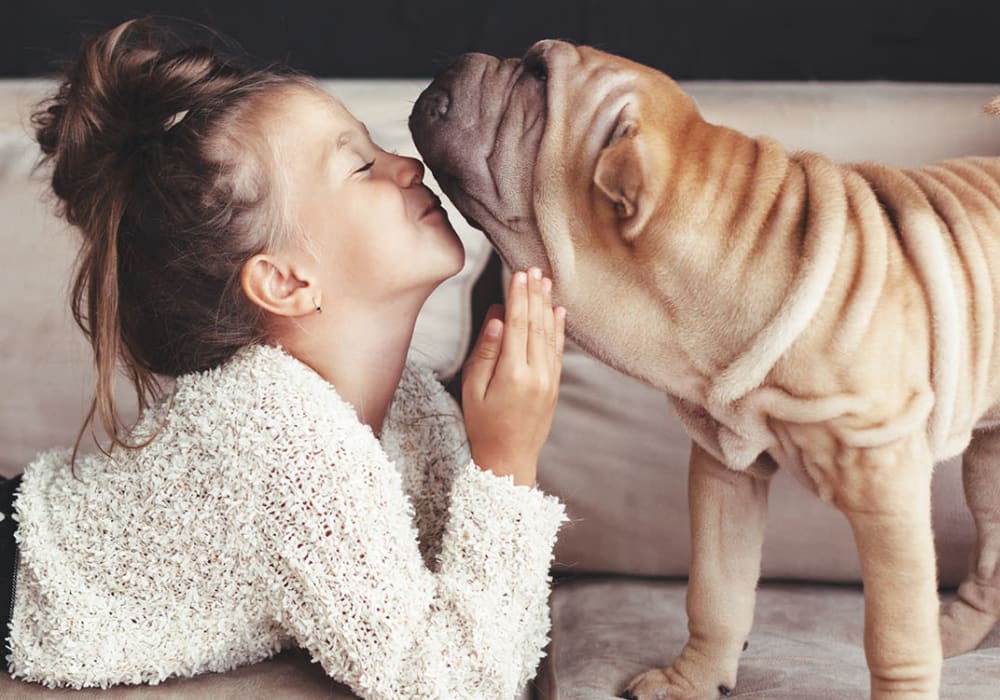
(409, 171)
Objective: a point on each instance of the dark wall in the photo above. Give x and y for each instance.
(914, 40)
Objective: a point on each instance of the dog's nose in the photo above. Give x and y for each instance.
(432, 103)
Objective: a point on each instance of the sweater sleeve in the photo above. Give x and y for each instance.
(351, 586)
(434, 429)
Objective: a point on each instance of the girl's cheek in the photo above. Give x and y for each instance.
(390, 200)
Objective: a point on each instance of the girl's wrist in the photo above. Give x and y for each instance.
(523, 471)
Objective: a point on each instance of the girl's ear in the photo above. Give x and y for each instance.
(278, 286)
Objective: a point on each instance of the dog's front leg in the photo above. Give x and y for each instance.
(728, 515)
(885, 494)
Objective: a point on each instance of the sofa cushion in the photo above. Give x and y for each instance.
(45, 362)
(806, 642)
(288, 676)
(617, 454)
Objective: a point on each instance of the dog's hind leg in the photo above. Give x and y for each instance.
(976, 611)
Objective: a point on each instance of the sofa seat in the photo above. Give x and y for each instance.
(806, 642)
(287, 676)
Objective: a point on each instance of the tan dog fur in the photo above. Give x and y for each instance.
(838, 321)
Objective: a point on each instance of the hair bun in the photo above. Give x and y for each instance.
(163, 164)
(126, 89)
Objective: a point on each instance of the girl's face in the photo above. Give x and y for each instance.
(376, 231)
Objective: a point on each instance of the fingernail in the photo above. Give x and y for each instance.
(493, 328)
(561, 311)
(520, 278)
(546, 284)
(536, 273)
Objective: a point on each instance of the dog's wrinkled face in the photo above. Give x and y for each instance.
(506, 138)
(479, 126)
(562, 159)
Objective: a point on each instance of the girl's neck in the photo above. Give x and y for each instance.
(361, 353)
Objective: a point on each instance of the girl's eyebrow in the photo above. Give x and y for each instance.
(326, 154)
(349, 134)
(344, 138)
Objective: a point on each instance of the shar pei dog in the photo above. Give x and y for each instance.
(837, 321)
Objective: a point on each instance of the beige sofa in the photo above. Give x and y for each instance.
(617, 456)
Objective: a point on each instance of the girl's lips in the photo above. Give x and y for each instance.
(434, 205)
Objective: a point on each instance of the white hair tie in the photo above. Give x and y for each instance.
(174, 119)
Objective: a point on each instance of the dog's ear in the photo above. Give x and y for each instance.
(622, 174)
(993, 107)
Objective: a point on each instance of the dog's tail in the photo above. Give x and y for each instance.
(993, 106)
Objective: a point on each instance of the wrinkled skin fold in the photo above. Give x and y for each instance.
(834, 320)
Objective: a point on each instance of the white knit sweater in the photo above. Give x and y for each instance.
(265, 515)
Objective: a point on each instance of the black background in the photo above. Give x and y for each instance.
(917, 40)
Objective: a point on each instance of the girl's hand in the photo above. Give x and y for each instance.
(510, 383)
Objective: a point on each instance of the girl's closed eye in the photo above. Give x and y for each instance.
(366, 166)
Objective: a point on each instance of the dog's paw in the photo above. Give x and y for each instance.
(664, 684)
(964, 626)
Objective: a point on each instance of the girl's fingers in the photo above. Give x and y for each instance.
(479, 368)
(515, 339)
(560, 331)
(537, 349)
(495, 311)
(549, 318)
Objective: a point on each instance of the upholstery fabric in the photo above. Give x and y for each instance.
(806, 643)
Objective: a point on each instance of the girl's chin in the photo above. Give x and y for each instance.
(444, 262)
(446, 240)
(456, 247)
(458, 257)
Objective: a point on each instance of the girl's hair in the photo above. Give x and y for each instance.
(160, 161)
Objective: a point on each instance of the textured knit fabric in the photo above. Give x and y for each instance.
(266, 514)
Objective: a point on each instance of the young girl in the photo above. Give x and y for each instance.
(303, 482)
